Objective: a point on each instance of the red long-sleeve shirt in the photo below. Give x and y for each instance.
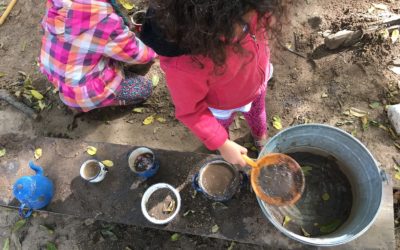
(194, 89)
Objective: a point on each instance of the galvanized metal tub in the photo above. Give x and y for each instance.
(361, 170)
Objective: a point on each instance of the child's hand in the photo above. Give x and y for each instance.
(232, 152)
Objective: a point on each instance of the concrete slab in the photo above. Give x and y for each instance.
(117, 199)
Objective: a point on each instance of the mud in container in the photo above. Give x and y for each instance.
(218, 180)
(343, 186)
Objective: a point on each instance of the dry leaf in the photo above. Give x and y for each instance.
(277, 122)
(374, 105)
(6, 245)
(155, 79)
(380, 6)
(170, 208)
(241, 117)
(397, 176)
(326, 197)
(329, 228)
(161, 120)
(286, 220)
(305, 233)
(188, 212)
(36, 94)
(41, 105)
(357, 112)
(395, 144)
(395, 35)
(215, 229)
(231, 246)
(364, 122)
(306, 170)
(126, 4)
(2, 74)
(138, 110)
(384, 34)
(324, 95)
(108, 163)
(371, 10)
(18, 225)
(91, 150)
(149, 120)
(248, 145)
(38, 153)
(2, 152)
(51, 246)
(175, 237)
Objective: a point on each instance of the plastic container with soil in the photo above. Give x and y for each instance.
(161, 203)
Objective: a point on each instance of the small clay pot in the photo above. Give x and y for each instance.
(218, 180)
(147, 195)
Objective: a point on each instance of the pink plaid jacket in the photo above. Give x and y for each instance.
(82, 43)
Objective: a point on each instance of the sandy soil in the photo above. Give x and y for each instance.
(316, 90)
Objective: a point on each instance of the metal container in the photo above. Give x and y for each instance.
(199, 180)
(360, 168)
(152, 168)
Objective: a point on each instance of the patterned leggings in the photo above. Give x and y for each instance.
(134, 89)
(256, 117)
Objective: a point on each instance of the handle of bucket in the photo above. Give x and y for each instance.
(244, 178)
(195, 183)
(21, 211)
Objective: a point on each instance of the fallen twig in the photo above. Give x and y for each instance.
(7, 11)
(6, 96)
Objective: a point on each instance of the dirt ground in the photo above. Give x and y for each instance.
(316, 89)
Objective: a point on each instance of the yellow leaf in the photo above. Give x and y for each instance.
(277, 122)
(149, 120)
(42, 105)
(286, 220)
(384, 34)
(357, 112)
(161, 120)
(108, 163)
(395, 35)
(155, 79)
(38, 153)
(2, 74)
(36, 94)
(2, 152)
(215, 229)
(326, 197)
(138, 110)
(305, 233)
(91, 150)
(126, 4)
(397, 176)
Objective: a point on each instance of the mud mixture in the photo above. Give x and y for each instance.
(143, 162)
(91, 170)
(217, 179)
(326, 201)
(279, 180)
(161, 204)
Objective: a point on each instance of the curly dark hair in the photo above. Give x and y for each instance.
(198, 25)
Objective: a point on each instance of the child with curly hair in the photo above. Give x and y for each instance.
(215, 57)
(84, 45)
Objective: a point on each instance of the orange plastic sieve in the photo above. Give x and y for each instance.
(276, 179)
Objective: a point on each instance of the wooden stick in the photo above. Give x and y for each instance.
(7, 11)
(4, 95)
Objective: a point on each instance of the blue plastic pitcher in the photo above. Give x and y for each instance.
(33, 192)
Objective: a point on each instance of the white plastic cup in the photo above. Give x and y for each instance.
(146, 197)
